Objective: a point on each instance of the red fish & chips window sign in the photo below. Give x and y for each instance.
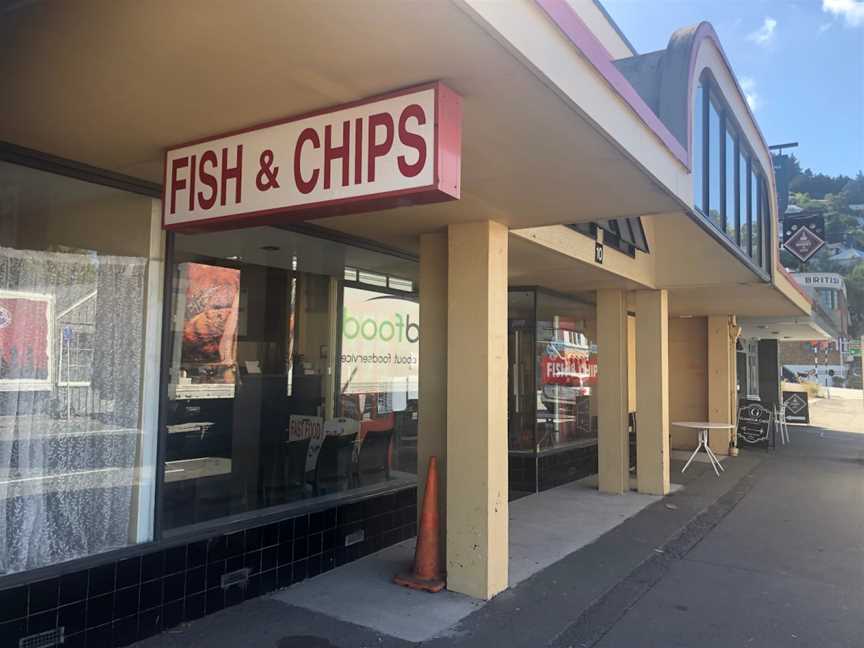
(397, 149)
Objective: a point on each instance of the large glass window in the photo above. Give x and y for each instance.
(566, 353)
(766, 226)
(744, 202)
(77, 440)
(698, 148)
(730, 163)
(715, 135)
(755, 220)
(293, 373)
(728, 187)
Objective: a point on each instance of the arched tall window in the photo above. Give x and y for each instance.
(729, 186)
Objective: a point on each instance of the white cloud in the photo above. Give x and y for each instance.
(852, 11)
(748, 86)
(765, 34)
(824, 27)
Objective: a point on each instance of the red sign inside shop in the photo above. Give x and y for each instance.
(393, 150)
(569, 369)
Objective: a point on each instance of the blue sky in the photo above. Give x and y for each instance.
(801, 63)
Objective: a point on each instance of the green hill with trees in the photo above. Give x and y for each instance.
(841, 200)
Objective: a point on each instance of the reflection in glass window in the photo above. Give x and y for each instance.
(285, 385)
(730, 161)
(766, 226)
(755, 223)
(76, 456)
(743, 204)
(698, 148)
(714, 138)
(566, 352)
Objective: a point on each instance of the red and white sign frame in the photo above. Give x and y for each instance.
(210, 198)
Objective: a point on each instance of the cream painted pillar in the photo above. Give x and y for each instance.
(720, 376)
(432, 403)
(612, 392)
(652, 397)
(477, 522)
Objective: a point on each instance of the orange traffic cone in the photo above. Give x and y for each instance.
(426, 574)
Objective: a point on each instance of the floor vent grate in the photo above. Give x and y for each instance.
(236, 577)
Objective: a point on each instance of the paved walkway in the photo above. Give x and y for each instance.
(843, 412)
(770, 554)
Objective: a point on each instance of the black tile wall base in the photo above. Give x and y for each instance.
(563, 466)
(121, 602)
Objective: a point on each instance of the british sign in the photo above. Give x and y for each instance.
(397, 149)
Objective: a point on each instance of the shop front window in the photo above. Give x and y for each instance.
(293, 374)
(77, 439)
(566, 372)
(552, 389)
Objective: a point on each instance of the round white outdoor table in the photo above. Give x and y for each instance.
(704, 427)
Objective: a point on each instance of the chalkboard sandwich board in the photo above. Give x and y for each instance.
(797, 407)
(754, 425)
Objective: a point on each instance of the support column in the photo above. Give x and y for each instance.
(477, 521)
(612, 392)
(652, 397)
(720, 376)
(432, 402)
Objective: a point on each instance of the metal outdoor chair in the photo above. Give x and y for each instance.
(780, 424)
(294, 467)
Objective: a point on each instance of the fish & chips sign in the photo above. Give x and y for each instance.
(393, 150)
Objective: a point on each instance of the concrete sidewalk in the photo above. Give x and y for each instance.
(533, 613)
(784, 567)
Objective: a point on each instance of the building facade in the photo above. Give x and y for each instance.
(225, 364)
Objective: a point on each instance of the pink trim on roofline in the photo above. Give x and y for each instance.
(572, 26)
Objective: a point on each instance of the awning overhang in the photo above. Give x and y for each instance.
(146, 76)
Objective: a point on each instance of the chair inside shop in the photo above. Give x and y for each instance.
(333, 468)
(295, 467)
(373, 462)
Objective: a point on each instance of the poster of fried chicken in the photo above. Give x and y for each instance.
(210, 322)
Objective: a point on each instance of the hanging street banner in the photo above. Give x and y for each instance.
(804, 234)
(393, 150)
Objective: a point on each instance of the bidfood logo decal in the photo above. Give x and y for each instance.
(396, 328)
(5, 317)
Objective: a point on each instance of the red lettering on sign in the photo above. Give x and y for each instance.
(176, 183)
(208, 179)
(305, 186)
(358, 150)
(412, 140)
(234, 173)
(376, 149)
(336, 152)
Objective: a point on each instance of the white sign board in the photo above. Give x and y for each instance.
(399, 148)
(380, 345)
